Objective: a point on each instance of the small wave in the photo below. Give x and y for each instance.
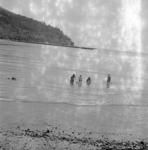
(77, 103)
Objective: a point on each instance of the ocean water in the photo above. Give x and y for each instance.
(42, 93)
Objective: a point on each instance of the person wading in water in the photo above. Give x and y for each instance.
(108, 81)
(72, 79)
(80, 81)
(88, 81)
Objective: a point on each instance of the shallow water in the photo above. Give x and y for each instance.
(42, 94)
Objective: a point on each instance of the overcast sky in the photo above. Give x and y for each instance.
(93, 23)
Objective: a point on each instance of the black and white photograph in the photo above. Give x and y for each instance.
(73, 75)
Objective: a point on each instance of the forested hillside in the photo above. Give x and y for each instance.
(21, 28)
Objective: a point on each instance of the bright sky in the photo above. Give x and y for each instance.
(88, 22)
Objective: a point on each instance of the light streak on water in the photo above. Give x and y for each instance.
(131, 30)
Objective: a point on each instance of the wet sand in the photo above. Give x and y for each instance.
(94, 118)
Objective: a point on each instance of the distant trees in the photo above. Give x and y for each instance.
(21, 28)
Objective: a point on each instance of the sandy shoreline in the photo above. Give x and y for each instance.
(55, 138)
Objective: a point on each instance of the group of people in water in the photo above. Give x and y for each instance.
(73, 80)
(79, 81)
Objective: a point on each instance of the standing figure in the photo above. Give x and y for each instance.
(72, 79)
(108, 81)
(80, 81)
(88, 81)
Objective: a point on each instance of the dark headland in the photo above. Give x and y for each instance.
(20, 28)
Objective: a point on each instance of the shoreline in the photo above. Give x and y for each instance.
(54, 137)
